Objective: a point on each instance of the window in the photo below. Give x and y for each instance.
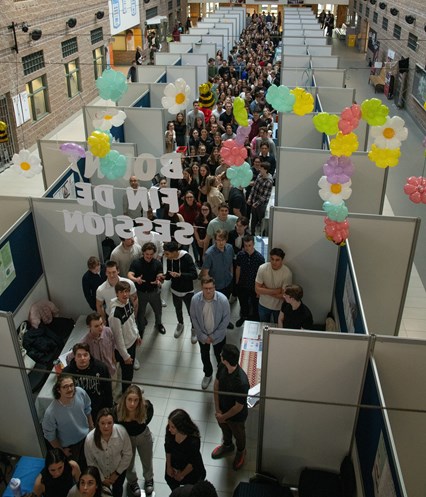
(170, 4)
(72, 73)
(355, 5)
(150, 13)
(375, 17)
(397, 32)
(412, 42)
(69, 47)
(360, 8)
(33, 62)
(99, 61)
(367, 11)
(385, 23)
(96, 35)
(37, 97)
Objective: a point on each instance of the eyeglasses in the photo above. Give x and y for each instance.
(68, 386)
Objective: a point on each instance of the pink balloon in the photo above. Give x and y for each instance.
(415, 188)
(232, 153)
(349, 119)
(337, 232)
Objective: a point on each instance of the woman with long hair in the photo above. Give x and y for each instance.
(202, 186)
(200, 228)
(214, 196)
(170, 137)
(184, 463)
(90, 485)
(181, 130)
(58, 475)
(134, 412)
(108, 447)
(187, 184)
(214, 160)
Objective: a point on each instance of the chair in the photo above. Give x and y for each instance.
(320, 483)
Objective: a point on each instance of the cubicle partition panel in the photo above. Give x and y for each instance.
(199, 61)
(150, 74)
(190, 38)
(382, 250)
(312, 383)
(21, 432)
(311, 33)
(330, 77)
(294, 50)
(13, 208)
(300, 169)
(300, 234)
(296, 61)
(217, 40)
(335, 99)
(156, 93)
(134, 93)
(205, 48)
(63, 268)
(167, 59)
(293, 40)
(199, 31)
(324, 51)
(331, 62)
(312, 41)
(375, 446)
(178, 47)
(296, 77)
(299, 132)
(402, 371)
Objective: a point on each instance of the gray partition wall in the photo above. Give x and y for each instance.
(20, 432)
(402, 372)
(300, 169)
(316, 369)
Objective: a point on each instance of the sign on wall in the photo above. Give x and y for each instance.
(123, 14)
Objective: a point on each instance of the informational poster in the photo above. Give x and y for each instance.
(21, 108)
(123, 14)
(382, 477)
(349, 303)
(7, 268)
(67, 190)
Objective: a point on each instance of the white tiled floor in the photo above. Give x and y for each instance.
(171, 369)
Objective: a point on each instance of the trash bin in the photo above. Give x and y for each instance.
(350, 40)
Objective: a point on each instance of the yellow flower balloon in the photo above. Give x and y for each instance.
(99, 143)
(304, 101)
(384, 157)
(240, 112)
(344, 144)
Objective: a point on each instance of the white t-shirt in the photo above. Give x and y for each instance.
(106, 292)
(273, 279)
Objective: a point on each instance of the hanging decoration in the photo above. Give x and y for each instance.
(113, 165)
(112, 85)
(326, 123)
(176, 96)
(240, 112)
(280, 98)
(232, 153)
(26, 163)
(304, 103)
(106, 119)
(240, 176)
(99, 143)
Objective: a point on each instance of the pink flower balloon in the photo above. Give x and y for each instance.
(349, 118)
(232, 153)
(337, 232)
(415, 188)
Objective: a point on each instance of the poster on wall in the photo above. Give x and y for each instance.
(382, 477)
(7, 268)
(123, 14)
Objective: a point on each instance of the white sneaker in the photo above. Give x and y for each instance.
(136, 364)
(206, 382)
(163, 303)
(194, 338)
(179, 329)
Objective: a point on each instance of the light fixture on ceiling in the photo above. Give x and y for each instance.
(394, 11)
(36, 34)
(382, 5)
(410, 19)
(100, 14)
(72, 22)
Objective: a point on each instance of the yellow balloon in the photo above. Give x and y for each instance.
(240, 111)
(344, 144)
(304, 103)
(99, 144)
(384, 157)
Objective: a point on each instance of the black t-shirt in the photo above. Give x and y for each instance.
(236, 200)
(149, 271)
(236, 382)
(297, 319)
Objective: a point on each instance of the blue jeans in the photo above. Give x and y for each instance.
(268, 315)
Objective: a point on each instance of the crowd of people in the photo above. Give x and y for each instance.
(94, 429)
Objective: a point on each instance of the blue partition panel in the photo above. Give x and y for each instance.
(27, 263)
(144, 101)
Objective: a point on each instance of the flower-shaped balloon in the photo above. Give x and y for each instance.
(337, 212)
(280, 98)
(338, 169)
(26, 163)
(391, 134)
(242, 134)
(232, 153)
(415, 188)
(240, 176)
(240, 112)
(384, 157)
(344, 144)
(112, 85)
(374, 112)
(176, 96)
(73, 151)
(349, 118)
(113, 165)
(304, 101)
(336, 232)
(106, 119)
(99, 143)
(334, 193)
(326, 123)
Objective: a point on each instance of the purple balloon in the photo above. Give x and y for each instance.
(73, 150)
(424, 142)
(242, 134)
(338, 169)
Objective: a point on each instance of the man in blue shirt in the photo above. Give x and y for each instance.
(217, 262)
(210, 313)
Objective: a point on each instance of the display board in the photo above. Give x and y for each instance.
(24, 438)
(419, 85)
(309, 370)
